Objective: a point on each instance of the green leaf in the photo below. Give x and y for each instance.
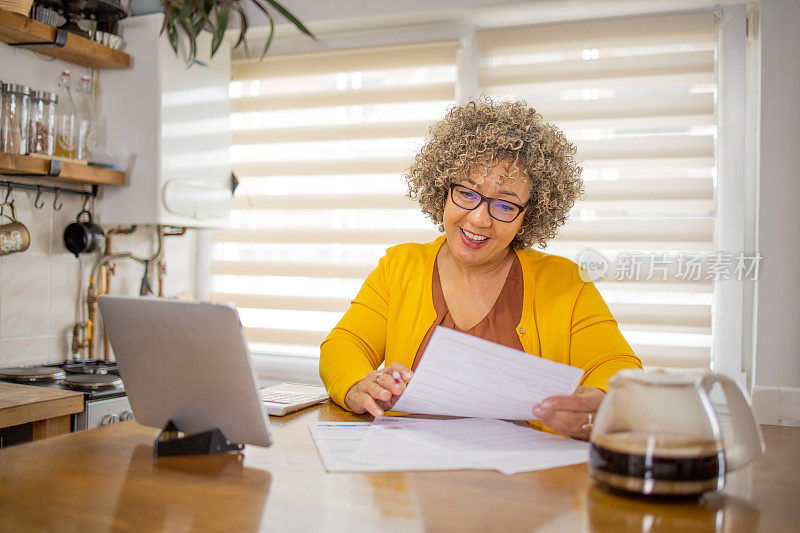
(167, 15)
(172, 35)
(187, 18)
(192, 54)
(242, 25)
(198, 21)
(223, 14)
(186, 8)
(294, 20)
(271, 35)
(263, 8)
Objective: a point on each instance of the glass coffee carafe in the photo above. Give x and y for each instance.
(657, 434)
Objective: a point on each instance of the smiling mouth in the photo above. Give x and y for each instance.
(474, 237)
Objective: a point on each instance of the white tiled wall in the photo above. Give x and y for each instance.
(38, 287)
(42, 288)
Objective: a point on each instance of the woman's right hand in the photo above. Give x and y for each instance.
(378, 391)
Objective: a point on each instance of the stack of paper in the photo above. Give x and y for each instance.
(405, 443)
(460, 375)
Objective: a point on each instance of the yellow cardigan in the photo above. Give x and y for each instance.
(563, 319)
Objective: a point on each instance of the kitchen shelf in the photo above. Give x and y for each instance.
(16, 29)
(70, 172)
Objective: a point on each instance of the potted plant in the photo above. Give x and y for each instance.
(185, 19)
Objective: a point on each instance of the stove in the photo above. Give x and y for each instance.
(90, 366)
(33, 375)
(105, 401)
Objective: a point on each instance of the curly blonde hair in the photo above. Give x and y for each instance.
(474, 137)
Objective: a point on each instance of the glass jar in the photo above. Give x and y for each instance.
(42, 133)
(65, 118)
(14, 125)
(85, 119)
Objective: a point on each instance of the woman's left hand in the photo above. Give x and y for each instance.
(571, 415)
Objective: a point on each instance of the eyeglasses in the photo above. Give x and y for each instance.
(469, 199)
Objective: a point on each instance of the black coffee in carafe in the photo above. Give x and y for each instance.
(647, 465)
(656, 433)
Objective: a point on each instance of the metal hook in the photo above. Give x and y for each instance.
(10, 205)
(37, 203)
(55, 199)
(85, 201)
(9, 187)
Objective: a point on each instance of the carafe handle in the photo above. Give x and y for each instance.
(748, 442)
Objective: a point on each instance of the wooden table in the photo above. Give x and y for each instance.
(106, 478)
(47, 410)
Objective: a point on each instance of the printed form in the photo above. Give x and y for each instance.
(396, 444)
(338, 445)
(478, 443)
(462, 375)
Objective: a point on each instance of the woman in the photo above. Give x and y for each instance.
(497, 180)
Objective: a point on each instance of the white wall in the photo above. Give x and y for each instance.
(777, 358)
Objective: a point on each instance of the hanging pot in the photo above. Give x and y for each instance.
(83, 237)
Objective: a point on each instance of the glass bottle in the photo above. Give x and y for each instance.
(85, 119)
(65, 128)
(41, 136)
(14, 127)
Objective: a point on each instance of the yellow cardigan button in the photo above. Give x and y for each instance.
(521, 331)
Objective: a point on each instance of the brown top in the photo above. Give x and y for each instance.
(106, 479)
(21, 404)
(500, 323)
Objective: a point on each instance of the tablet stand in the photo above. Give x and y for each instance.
(172, 441)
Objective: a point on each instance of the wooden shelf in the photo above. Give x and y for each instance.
(71, 171)
(18, 29)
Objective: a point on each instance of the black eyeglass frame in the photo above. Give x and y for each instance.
(488, 203)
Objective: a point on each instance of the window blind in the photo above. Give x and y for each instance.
(319, 142)
(637, 97)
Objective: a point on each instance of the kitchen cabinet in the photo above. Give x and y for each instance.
(40, 37)
(178, 131)
(47, 411)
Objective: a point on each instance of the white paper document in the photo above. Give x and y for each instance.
(462, 375)
(406, 443)
(338, 444)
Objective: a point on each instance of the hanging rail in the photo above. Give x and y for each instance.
(57, 191)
